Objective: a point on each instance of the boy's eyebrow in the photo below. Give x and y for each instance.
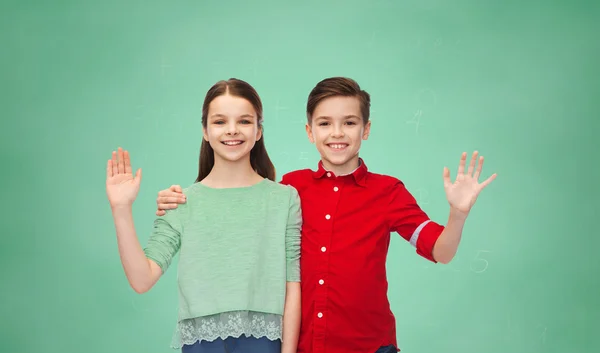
(350, 116)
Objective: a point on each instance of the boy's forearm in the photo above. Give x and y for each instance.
(447, 244)
(291, 318)
(135, 263)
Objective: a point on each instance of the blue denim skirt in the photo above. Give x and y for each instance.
(242, 344)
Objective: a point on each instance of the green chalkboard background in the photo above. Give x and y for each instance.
(517, 80)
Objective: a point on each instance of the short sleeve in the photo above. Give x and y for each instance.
(406, 218)
(292, 237)
(165, 240)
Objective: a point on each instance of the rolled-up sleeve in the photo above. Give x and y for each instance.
(293, 237)
(165, 240)
(406, 218)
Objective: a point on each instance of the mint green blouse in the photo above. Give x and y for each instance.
(237, 249)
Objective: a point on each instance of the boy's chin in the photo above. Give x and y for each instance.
(340, 161)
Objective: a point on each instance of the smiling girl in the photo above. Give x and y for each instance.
(238, 235)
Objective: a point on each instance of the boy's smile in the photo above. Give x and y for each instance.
(337, 146)
(337, 129)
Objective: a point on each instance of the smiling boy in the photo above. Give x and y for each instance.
(348, 216)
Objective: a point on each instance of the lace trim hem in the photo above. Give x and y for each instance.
(230, 324)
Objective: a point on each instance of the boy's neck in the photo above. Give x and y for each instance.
(342, 169)
(226, 174)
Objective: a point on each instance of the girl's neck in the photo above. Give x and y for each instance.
(226, 174)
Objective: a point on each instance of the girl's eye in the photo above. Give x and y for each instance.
(246, 122)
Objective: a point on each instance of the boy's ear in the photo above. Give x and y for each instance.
(367, 130)
(309, 133)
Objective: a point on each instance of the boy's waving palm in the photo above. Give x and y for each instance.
(121, 185)
(463, 193)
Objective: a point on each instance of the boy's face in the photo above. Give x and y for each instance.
(337, 129)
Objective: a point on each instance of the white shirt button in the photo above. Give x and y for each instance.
(323, 249)
(320, 315)
(321, 281)
(328, 175)
(335, 188)
(327, 216)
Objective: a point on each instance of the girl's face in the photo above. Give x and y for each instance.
(231, 128)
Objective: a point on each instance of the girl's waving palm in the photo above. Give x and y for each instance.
(121, 185)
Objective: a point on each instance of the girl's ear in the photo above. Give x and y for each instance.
(205, 134)
(259, 133)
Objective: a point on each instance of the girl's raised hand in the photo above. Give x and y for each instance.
(121, 185)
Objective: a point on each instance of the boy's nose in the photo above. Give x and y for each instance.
(337, 132)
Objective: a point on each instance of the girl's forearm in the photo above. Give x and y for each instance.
(291, 318)
(141, 272)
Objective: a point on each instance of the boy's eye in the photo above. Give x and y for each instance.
(246, 121)
(323, 123)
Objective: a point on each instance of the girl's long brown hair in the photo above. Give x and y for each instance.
(259, 158)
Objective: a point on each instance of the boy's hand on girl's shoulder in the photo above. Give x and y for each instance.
(168, 199)
(463, 193)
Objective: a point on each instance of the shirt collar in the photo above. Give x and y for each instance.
(358, 174)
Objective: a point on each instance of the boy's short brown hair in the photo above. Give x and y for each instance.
(338, 86)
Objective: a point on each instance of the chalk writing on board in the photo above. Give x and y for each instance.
(372, 39)
(277, 109)
(303, 156)
(138, 112)
(480, 263)
(416, 120)
(438, 42)
(543, 335)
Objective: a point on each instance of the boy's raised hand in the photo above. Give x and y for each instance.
(168, 199)
(463, 193)
(121, 185)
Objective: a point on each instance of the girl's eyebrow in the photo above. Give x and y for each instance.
(219, 115)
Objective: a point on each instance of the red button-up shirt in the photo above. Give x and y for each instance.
(347, 221)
